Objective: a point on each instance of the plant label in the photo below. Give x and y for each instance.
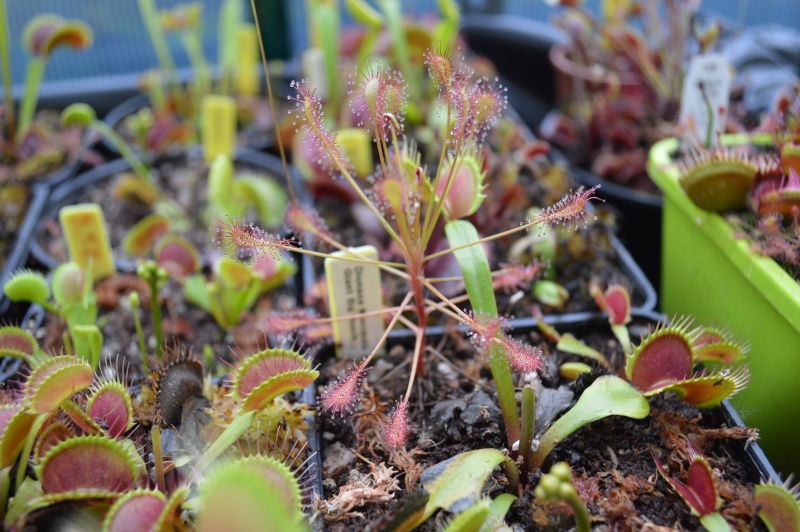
(706, 96)
(313, 62)
(355, 288)
(84, 229)
(247, 82)
(219, 127)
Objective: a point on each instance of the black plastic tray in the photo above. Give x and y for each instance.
(68, 193)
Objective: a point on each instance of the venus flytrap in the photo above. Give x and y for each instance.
(42, 36)
(72, 298)
(700, 492)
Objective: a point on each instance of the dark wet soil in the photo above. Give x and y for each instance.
(611, 458)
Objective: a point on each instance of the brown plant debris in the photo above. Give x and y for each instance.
(376, 486)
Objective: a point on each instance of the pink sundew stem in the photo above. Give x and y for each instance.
(414, 364)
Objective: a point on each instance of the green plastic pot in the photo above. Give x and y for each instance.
(709, 274)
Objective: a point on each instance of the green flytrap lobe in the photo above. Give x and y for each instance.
(110, 404)
(177, 256)
(55, 380)
(140, 239)
(265, 375)
(27, 285)
(42, 36)
(17, 342)
(93, 463)
(144, 509)
(778, 505)
(665, 360)
(254, 493)
(15, 423)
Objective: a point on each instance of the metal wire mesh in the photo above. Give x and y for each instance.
(122, 46)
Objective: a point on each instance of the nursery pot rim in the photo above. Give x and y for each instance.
(139, 101)
(772, 281)
(61, 195)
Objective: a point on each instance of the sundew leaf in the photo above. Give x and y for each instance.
(478, 280)
(607, 396)
(456, 484)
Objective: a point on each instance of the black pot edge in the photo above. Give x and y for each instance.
(20, 251)
(63, 194)
(133, 105)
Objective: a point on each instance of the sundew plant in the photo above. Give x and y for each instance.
(411, 201)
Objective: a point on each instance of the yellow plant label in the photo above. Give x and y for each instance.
(84, 228)
(247, 81)
(219, 127)
(355, 288)
(357, 146)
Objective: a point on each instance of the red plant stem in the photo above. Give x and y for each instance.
(415, 270)
(416, 364)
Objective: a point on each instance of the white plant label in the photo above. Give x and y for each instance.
(707, 86)
(355, 288)
(312, 61)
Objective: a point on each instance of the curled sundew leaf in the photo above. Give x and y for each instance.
(663, 358)
(51, 435)
(717, 180)
(717, 345)
(140, 238)
(17, 342)
(68, 281)
(27, 285)
(177, 255)
(136, 510)
(456, 484)
(55, 380)
(110, 406)
(15, 423)
(45, 33)
(607, 396)
(708, 391)
(87, 463)
(778, 506)
(265, 194)
(270, 373)
(176, 378)
(239, 496)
